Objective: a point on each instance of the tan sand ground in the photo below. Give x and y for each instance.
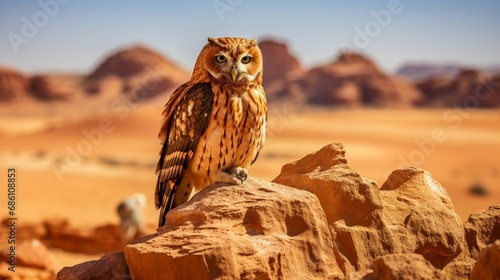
(80, 170)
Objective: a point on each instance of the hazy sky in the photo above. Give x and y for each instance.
(75, 35)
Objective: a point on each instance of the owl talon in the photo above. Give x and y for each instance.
(240, 174)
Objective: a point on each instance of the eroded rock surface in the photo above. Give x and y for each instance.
(330, 223)
(410, 213)
(254, 230)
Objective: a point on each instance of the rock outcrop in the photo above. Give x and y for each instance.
(32, 261)
(400, 267)
(328, 223)
(482, 228)
(255, 230)
(112, 266)
(368, 222)
(469, 89)
(142, 72)
(14, 86)
(486, 267)
(132, 61)
(279, 64)
(45, 88)
(60, 234)
(352, 80)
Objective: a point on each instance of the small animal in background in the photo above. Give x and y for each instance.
(214, 125)
(131, 217)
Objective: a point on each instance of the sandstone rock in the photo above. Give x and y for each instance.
(112, 266)
(25, 231)
(351, 80)
(419, 205)
(279, 63)
(410, 213)
(254, 230)
(93, 240)
(143, 72)
(470, 89)
(22, 272)
(45, 88)
(487, 266)
(33, 261)
(482, 228)
(134, 60)
(406, 229)
(401, 267)
(13, 85)
(110, 86)
(352, 205)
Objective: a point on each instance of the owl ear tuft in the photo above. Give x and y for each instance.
(253, 42)
(213, 41)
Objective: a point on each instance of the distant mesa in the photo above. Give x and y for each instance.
(15, 86)
(351, 80)
(470, 89)
(137, 72)
(135, 60)
(279, 63)
(45, 87)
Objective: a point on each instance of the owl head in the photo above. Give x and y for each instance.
(234, 61)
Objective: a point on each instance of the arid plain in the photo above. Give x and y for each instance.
(81, 166)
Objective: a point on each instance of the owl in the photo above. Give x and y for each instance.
(214, 125)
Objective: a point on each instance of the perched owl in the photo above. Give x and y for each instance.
(214, 125)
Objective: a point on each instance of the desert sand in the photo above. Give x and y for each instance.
(80, 166)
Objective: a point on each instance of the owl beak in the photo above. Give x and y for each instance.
(234, 74)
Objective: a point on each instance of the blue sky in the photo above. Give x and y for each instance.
(75, 35)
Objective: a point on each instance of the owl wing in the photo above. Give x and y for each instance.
(186, 118)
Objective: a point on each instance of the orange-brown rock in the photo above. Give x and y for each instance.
(482, 228)
(112, 266)
(102, 239)
(342, 224)
(374, 87)
(487, 266)
(279, 63)
(470, 89)
(351, 80)
(13, 85)
(257, 230)
(135, 60)
(33, 261)
(143, 72)
(25, 231)
(400, 267)
(368, 222)
(44, 87)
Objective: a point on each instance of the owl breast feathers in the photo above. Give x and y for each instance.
(214, 125)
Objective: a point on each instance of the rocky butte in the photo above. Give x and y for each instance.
(318, 219)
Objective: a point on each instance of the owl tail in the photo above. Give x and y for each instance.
(164, 199)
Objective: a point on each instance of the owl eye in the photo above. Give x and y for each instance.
(220, 58)
(246, 59)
